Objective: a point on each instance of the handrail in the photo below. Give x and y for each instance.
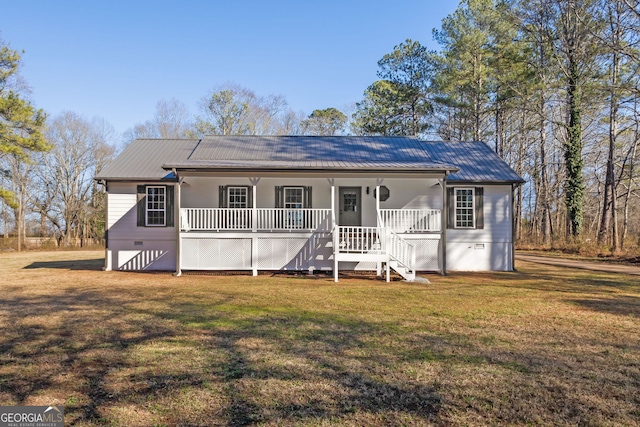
(401, 250)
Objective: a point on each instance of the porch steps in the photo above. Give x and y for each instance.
(406, 272)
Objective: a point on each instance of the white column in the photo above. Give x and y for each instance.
(443, 226)
(380, 224)
(334, 229)
(254, 226)
(178, 224)
(107, 251)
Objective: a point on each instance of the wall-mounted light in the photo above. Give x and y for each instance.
(367, 190)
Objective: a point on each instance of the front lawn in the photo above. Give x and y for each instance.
(545, 345)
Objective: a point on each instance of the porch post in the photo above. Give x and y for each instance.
(513, 228)
(380, 224)
(334, 229)
(254, 227)
(178, 225)
(443, 225)
(254, 212)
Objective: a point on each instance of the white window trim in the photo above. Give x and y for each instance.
(284, 196)
(246, 196)
(473, 208)
(163, 210)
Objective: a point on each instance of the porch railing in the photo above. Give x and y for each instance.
(361, 240)
(401, 250)
(411, 220)
(271, 219)
(293, 219)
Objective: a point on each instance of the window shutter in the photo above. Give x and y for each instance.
(141, 200)
(307, 197)
(279, 197)
(222, 196)
(451, 207)
(250, 196)
(170, 211)
(479, 202)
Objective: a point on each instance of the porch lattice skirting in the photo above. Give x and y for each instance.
(303, 252)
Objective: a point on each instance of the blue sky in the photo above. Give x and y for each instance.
(115, 59)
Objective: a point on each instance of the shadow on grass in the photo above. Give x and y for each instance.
(207, 354)
(77, 342)
(79, 264)
(620, 305)
(566, 280)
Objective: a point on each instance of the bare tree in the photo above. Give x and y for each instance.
(171, 120)
(65, 190)
(234, 110)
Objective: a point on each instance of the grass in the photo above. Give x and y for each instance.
(543, 346)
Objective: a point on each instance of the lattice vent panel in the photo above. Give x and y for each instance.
(284, 253)
(216, 254)
(427, 254)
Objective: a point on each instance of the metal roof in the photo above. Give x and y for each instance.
(310, 152)
(152, 159)
(143, 159)
(476, 160)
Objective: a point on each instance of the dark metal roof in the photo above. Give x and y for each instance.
(153, 159)
(476, 160)
(143, 159)
(310, 152)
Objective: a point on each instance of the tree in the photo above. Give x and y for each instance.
(67, 194)
(233, 110)
(575, 53)
(20, 128)
(464, 66)
(20, 123)
(398, 104)
(171, 121)
(329, 121)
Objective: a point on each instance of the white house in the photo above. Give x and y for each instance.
(309, 203)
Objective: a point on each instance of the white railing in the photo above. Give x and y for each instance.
(402, 251)
(207, 219)
(293, 219)
(363, 240)
(411, 220)
(223, 219)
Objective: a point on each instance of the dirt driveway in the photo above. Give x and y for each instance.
(585, 265)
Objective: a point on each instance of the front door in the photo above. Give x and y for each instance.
(350, 208)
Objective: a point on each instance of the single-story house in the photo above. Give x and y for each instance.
(309, 203)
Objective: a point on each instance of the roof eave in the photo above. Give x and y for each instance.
(476, 181)
(208, 168)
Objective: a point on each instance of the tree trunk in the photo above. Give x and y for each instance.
(574, 186)
(608, 232)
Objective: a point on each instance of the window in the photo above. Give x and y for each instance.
(464, 208)
(237, 197)
(156, 206)
(293, 197)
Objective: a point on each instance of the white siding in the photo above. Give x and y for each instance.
(488, 248)
(132, 247)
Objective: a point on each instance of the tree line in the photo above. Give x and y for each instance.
(551, 85)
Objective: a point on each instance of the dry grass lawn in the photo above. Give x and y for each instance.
(543, 346)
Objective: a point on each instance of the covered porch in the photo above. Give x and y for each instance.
(310, 223)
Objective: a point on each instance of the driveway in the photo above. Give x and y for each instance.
(585, 265)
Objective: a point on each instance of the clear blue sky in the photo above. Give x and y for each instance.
(115, 59)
